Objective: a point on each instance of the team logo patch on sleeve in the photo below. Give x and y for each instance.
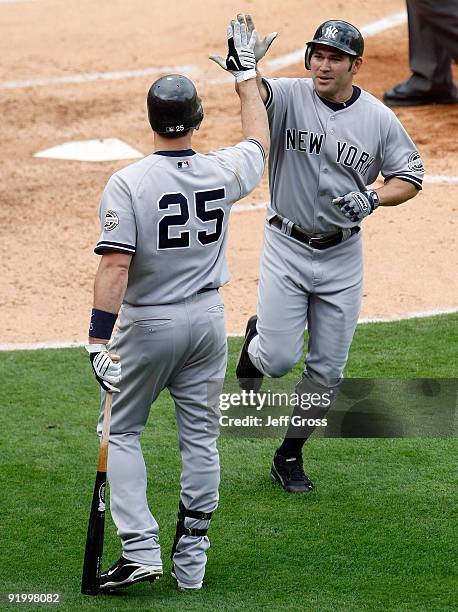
(415, 164)
(111, 220)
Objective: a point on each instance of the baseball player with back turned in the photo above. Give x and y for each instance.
(329, 141)
(164, 234)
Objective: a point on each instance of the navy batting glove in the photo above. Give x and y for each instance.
(357, 204)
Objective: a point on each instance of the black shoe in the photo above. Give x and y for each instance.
(124, 573)
(289, 472)
(248, 375)
(404, 94)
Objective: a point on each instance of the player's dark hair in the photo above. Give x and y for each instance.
(352, 61)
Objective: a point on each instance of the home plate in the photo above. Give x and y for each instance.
(103, 149)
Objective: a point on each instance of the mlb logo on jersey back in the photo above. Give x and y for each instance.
(331, 32)
(181, 165)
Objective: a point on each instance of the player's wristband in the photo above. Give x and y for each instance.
(373, 198)
(102, 323)
(245, 75)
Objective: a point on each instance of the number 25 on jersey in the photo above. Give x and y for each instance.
(182, 240)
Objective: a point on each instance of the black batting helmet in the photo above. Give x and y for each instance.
(173, 105)
(339, 34)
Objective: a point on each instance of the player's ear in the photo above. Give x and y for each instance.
(356, 65)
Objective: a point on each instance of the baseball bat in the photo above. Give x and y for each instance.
(90, 582)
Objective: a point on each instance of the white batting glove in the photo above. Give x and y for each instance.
(107, 372)
(262, 46)
(240, 60)
(357, 204)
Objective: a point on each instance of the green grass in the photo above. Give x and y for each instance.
(379, 532)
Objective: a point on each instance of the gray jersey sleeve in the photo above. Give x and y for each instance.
(278, 91)
(401, 158)
(119, 230)
(246, 160)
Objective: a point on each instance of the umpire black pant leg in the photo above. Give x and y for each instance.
(433, 42)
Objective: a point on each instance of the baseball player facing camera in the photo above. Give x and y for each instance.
(164, 234)
(329, 141)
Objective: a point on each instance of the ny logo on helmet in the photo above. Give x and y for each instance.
(331, 32)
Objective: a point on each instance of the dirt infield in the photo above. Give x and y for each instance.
(49, 221)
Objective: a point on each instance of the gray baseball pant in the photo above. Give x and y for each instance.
(303, 287)
(181, 347)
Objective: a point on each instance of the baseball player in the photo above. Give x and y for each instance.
(329, 142)
(164, 233)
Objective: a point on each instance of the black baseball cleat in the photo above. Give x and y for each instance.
(124, 573)
(248, 375)
(289, 473)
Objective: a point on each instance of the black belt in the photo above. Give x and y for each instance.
(204, 289)
(316, 242)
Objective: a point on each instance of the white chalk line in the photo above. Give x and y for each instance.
(436, 178)
(386, 23)
(97, 76)
(410, 315)
(393, 319)
(283, 61)
(33, 346)
(239, 208)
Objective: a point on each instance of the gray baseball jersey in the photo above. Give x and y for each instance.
(171, 210)
(319, 150)
(318, 153)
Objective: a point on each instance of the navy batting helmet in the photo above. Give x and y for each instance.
(173, 105)
(339, 34)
